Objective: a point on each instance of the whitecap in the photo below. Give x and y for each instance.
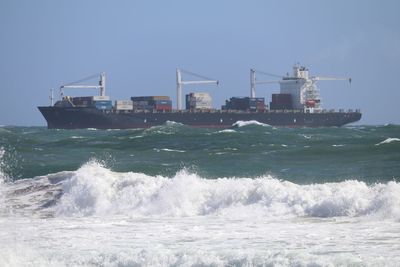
(173, 150)
(76, 137)
(227, 131)
(251, 122)
(388, 140)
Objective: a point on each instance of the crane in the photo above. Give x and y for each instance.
(253, 81)
(101, 86)
(180, 83)
(302, 87)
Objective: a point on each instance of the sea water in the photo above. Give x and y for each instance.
(171, 195)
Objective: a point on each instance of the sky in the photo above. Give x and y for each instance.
(139, 44)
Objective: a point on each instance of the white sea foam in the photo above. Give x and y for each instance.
(76, 137)
(135, 137)
(2, 175)
(94, 189)
(2, 152)
(160, 256)
(173, 123)
(247, 123)
(388, 141)
(227, 131)
(169, 128)
(173, 150)
(106, 218)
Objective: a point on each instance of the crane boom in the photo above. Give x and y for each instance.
(321, 78)
(254, 81)
(81, 86)
(101, 86)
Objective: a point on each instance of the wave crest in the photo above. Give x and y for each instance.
(247, 123)
(388, 141)
(96, 190)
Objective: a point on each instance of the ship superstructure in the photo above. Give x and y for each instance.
(300, 90)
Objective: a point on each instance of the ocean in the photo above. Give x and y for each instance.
(172, 195)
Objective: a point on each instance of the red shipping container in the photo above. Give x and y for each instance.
(163, 107)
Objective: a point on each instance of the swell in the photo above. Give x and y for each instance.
(301, 155)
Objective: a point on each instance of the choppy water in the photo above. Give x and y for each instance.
(172, 195)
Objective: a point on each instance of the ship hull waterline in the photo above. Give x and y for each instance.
(84, 117)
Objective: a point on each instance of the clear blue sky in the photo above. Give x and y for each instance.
(44, 44)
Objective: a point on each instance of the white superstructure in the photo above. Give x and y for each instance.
(302, 88)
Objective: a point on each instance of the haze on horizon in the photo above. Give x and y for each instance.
(139, 44)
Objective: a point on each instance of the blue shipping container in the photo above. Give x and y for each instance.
(103, 104)
(162, 102)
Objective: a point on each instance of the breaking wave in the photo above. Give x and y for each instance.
(247, 123)
(388, 141)
(96, 190)
(2, 175)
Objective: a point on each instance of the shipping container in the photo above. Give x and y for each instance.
(161, 102)
(123, 105)
(102, 104)
(100, 97)
(198, 100)
(149, 98)
(281, 101)
(123, 102)
(161, 97)
(245, 103)
(81, 101)
(163, 107)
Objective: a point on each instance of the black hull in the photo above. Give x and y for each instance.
(78, 118)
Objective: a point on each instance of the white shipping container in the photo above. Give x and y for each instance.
(123, 102)
(123, 107)
(100, 97)
(200, 94)
(202, 106)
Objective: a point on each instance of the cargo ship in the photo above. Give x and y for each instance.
(298, 104)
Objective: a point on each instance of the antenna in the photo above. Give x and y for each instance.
(51, 97)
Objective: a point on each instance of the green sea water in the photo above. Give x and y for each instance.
(300, 155)
(171, 195)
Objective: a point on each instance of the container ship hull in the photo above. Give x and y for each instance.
(87, 117)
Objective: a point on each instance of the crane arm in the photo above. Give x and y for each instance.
(81, 86)
(200, 82)
(180, 83)
(101, 86)
(267, 82)
(274, 81)
(321, 78)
